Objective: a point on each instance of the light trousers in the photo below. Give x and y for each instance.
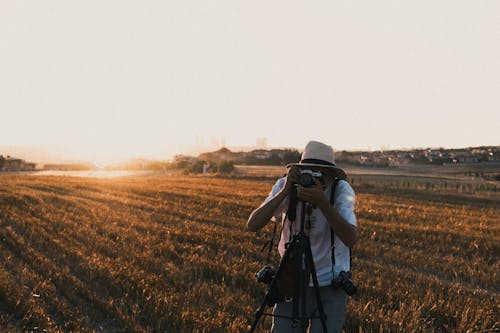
(334, 304)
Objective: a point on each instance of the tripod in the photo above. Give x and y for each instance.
(300, 249)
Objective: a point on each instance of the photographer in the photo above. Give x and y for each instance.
(324, 221)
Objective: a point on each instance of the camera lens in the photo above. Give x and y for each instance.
(306, 180)
(265, 275)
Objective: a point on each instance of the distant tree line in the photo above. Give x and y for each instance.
(202, 166)
(224, 160)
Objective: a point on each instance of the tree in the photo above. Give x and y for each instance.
(226, 167)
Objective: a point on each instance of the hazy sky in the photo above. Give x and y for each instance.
(110, 78)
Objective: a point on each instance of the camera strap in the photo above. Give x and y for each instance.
(332, 234)
(270, 242)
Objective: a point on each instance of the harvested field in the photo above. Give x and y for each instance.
(172, 254)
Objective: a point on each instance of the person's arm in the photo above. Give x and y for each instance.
(261, 216)
(346, 231)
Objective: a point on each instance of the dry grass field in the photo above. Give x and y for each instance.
(171, 254)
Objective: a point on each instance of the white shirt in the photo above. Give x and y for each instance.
(319, 234)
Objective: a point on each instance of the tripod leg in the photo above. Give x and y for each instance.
(304, 322)
(299, 311)
(258, 314)
(322, 315)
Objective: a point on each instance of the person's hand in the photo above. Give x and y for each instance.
(293, 177)
(314, 195)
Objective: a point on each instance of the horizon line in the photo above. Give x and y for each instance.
(193, 150)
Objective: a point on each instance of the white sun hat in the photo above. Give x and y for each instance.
(317, 154)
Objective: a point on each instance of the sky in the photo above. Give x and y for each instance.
(114, 78)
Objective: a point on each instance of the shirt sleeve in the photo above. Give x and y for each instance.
(344, 202)
(280, 183)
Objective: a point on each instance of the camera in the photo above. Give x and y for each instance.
(307, 177)
(265, 275)
(344, 281)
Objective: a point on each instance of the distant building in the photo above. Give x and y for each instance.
(261, 154)
(8, 163)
